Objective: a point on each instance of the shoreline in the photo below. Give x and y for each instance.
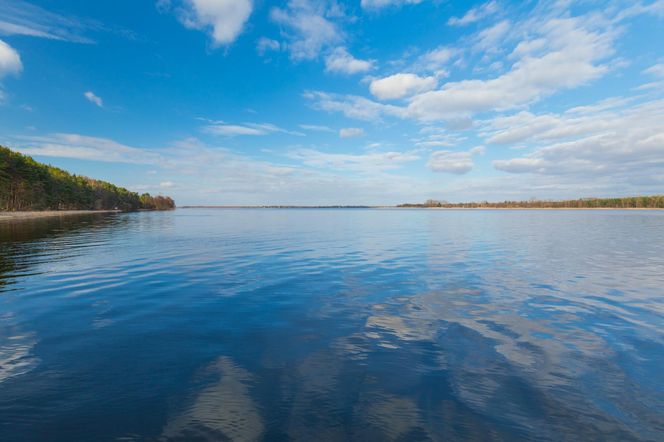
(419, 208)
(10, 216)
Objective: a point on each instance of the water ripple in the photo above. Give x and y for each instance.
(333, 325)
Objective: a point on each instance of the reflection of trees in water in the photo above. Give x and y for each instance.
(23, 245)
(23, 242)
(26, 243)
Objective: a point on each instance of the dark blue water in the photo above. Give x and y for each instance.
(333, 325)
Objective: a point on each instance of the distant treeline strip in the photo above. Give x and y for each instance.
(632, 202)
(26, 184)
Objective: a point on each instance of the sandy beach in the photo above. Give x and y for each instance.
(9, 216)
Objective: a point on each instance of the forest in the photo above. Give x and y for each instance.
(26, 185)
(632, 202)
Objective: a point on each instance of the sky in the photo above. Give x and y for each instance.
(320, 102)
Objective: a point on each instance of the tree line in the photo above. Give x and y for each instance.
(632, 202)
(26, 184)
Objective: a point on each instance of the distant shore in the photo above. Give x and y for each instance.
(8, 216)
(418, 208)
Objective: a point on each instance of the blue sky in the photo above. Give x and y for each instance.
(340, 102)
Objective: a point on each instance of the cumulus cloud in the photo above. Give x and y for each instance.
(459, 163)
(307, 28)
(10, 60)
(572, 56)
(224, 20)
(378, 4)
(351, 132)
(475, 14)
(92, 98)
(340, 61)
(401, 85)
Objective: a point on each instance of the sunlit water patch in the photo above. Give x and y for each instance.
(333, 325)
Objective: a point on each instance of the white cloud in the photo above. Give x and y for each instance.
(224, 19)
(354, 106)
(655, 8)
(447, 161)
(166, 184)
(315, 127)
(437, 137)
(435, 60)
(378, 4)
(86, 148)
(374, 162)
(572, 57)
(257, 129)
(351, 132)
(490, 39)
(340, 61)
(204, 174)
(475, 14)
(230, 130)
(265, 44)
(624, 145)
(306, 28)
(578, 121)
(92, 98)
(10, 60)
(656, 70)
(18, 17)
(401, 85)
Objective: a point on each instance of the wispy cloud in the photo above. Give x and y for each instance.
(18, 17)
(459, 163)
(308, 28)
(373, 162)
(475, 14)
(379, 4)
(264, 45)
(86, 148)
(353, 106)
(92, 98)
(625, 143)
(316, 127)
(351, 132)
(256, 129)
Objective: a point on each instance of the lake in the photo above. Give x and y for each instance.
(250, 324)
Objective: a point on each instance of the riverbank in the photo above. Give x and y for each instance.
(9, 216)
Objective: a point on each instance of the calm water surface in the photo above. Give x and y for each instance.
(333, 325)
